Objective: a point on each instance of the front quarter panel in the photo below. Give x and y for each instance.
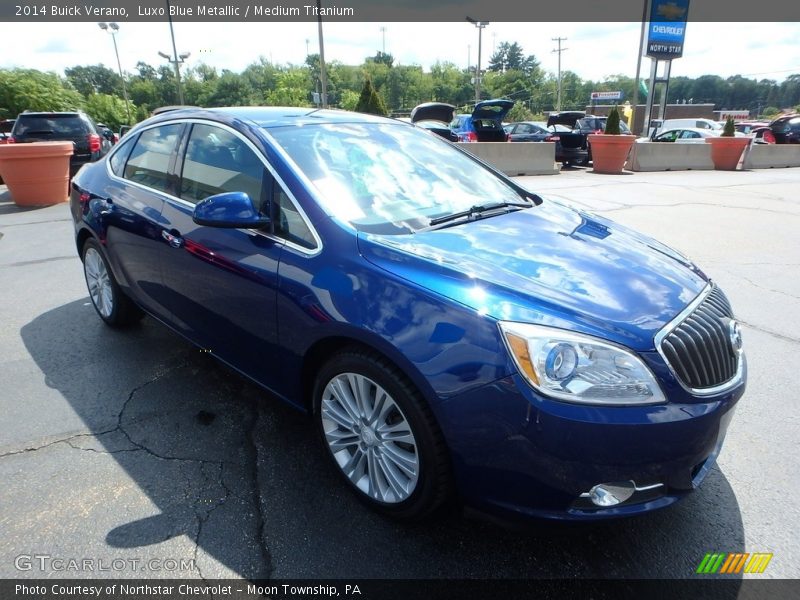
(445, 348)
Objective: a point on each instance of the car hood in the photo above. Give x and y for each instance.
(492, 109)
(433, 111)
(550, 265)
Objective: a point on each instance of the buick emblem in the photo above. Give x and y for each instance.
(735, 334)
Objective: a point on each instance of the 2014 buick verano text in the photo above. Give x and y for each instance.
(450, 333)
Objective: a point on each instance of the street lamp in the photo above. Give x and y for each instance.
(113, 28)
(176, 62)
(480, 25)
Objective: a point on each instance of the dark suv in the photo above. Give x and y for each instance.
(76, 127)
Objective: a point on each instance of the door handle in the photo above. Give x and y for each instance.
(176, 241)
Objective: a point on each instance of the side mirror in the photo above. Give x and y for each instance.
(230, 209)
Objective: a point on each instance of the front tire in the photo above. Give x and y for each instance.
(108, 299)
(381, 435)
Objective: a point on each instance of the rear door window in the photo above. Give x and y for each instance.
(149, 160)
(120, 156)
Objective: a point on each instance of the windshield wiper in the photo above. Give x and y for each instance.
(471, 214)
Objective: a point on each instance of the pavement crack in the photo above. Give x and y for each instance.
(781, 336)
(28, 263)
(761, 287)
(151, 452)
(66, 440)
(260, 520)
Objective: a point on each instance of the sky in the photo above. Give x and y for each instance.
(593, 50)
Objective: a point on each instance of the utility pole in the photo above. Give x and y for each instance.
(559, 50)
(646, 126)
(323, 74)
(383, 33)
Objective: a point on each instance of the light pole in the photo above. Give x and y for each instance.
(176, 60)
(113, 28)
(480, 25)
(175, 63)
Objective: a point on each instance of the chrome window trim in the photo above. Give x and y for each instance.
(175, 200)
(667, 329)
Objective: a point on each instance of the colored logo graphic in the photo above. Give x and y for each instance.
(715, 563)
(671, 11)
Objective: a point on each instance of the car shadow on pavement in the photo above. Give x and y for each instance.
(210, 458)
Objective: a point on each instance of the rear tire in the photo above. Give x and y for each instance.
(381, 435)
(108, 299)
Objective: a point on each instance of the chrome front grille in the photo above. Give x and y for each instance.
(699, 345)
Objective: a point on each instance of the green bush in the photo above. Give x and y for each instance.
(729, 130)
(370, 102)
(612, 123)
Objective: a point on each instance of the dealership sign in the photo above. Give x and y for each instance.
(667, 28)
(595, 96)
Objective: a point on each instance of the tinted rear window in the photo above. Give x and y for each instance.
(56, 125)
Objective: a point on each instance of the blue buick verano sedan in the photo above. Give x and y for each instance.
(449, 332)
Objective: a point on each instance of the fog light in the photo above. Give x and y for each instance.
(611, 494)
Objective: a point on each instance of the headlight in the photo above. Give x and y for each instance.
(579, 368)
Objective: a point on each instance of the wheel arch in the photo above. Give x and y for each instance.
(324, 348)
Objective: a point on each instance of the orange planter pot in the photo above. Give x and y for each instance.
(727, 151)
(609, 152)
(37, 174)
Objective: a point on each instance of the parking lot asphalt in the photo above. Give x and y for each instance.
(135, 449)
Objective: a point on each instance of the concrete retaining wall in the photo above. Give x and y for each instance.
(666, 156)
(516, 158)
(769, 156)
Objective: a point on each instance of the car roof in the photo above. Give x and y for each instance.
(39, 113)
(272, 116)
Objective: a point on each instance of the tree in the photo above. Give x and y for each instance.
(383, 58)
(94, 79)
(509, 57)
(369, 101)
(28, 89)
(108, 109)
(348, 100)
(519, 112)
(292, 89)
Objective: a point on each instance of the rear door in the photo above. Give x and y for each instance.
(140, 182)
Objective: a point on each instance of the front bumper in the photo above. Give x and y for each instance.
(518, 454)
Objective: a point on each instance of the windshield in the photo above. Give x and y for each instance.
(389, 178)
